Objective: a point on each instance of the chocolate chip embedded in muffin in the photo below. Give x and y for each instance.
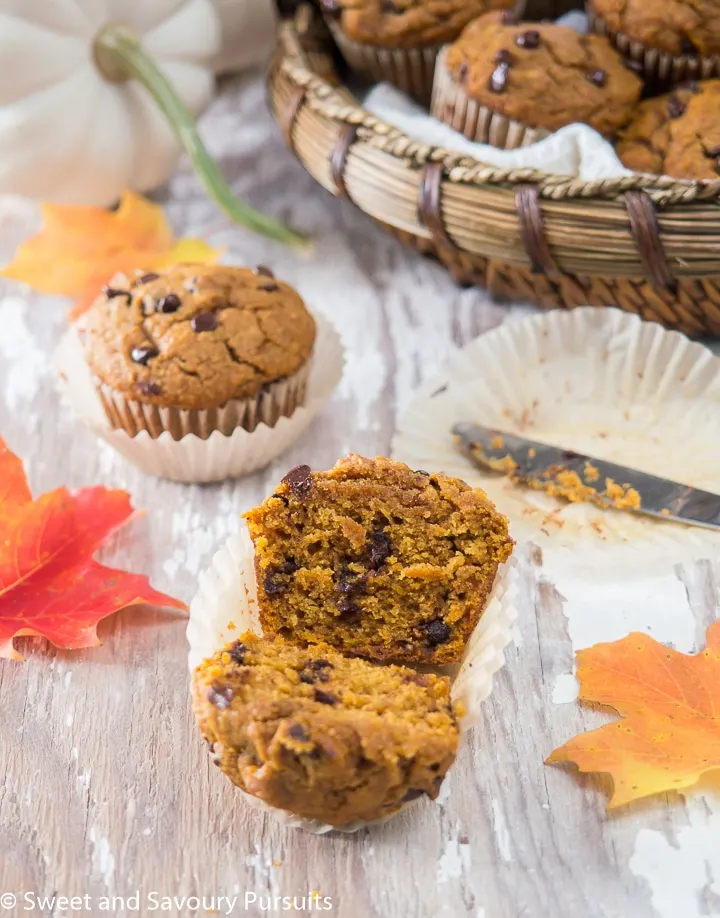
(553, 77)
(360, 745)
(675, 134)
(391, 564)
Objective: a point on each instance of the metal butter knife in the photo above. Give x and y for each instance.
(575, 477)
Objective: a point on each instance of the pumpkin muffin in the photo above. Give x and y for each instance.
(677, 134)
(399, 40)
(198, 348)
(321, 735)
(376, 559)
(513, 84)
(669, 41)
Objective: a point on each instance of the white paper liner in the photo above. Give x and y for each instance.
(192, 459)
(660, 68)
(453, 106)
(599, 382)
(225, 606)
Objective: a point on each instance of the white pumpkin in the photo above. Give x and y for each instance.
(69, 134)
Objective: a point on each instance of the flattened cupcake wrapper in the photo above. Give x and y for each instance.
(225, 606)
(203, 452)
(275, 400)
(410, 69)
(453, 106)
(661, 69)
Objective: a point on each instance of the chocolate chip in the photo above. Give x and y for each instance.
(263, 271)
(147, 387)
(529, 39)
(325, 697)
(169, 303)
(676, 107)
(274, 584)
(687, 47)
(320, 664)
(299, 480)
(144, 353)
(437, 632)
(146, 278)
(297, 732)
(713, 152)
(347, 605)
(389, 7)
(204, 322)
(112, 292)
(237, 652)
(596, 77)
(463, 71)
(635, 66)
(499, 78)
(379, 548)
(316, 671)
(268, 288)
(412, 794)
(422, 472)
(350, 582)
(307, 678)
(503, 57)
(332, 8)
(289, 566)
(220, 695)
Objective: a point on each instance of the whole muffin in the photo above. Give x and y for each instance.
(399, 40)
(677, 134)
(377, 559)
(513, 84)
(198, 348)
(321, 735)
(669, 42)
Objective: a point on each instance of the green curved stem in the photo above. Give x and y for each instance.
(120, 55)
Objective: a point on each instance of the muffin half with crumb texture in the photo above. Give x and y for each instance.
(195, 348)
(324, 736)
(377, 559)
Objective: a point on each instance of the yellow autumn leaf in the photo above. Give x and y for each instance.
(80, 248)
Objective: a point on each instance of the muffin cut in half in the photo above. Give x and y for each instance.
(376, 559)
(321, 735)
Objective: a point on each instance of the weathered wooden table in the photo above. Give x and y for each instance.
(105, 785)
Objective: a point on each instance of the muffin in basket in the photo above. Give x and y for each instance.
(198, 348)
(321, 735)
(677, 134)
(666, 42)
(510, 85)
(399, 40)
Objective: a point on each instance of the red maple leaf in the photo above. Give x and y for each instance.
(49, 583)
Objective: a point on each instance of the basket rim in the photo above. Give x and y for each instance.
(324, 97)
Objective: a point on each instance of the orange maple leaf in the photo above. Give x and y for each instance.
(49, 583)
(79, 249)
(670, 703)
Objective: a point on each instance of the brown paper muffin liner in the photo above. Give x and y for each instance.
(275, 400)
(410, 69)
(660, 69)
(452, 105)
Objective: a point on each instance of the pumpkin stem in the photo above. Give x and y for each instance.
(119, 55)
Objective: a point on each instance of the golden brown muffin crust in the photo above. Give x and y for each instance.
(196, 336)
(677, 134)
(407, 23)
(321, 735)
(377, 559)
(544, 75)
(676, 26)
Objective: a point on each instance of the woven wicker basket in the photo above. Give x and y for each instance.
(648, 244)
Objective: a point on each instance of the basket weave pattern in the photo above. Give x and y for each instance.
(648, 244)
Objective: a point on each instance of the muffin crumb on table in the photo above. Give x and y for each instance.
(377, 559)
(325, 736)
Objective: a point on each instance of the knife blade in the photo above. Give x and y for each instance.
(576, 477)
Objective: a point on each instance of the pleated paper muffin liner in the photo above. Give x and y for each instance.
(410, 69)
(661, 69)
(225, 606)
(201, 455)
(275, 400)
(600, 382)
(453, 106)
